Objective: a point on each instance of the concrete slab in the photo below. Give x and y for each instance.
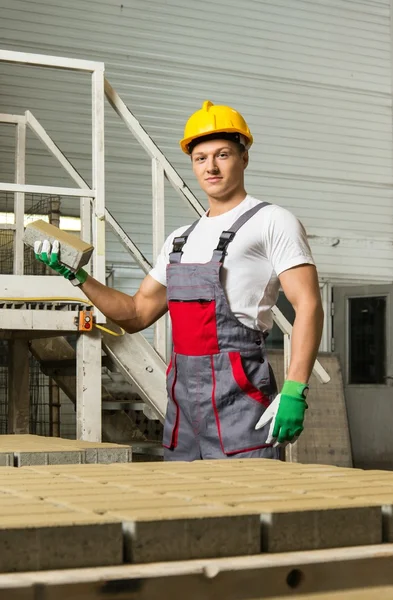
(78, 543)
(158, 538)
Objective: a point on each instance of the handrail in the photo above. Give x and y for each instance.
(151, 148)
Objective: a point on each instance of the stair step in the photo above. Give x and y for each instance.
(123, 405)
(149, 448)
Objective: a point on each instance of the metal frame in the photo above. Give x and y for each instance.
(92, 212)
(97, 193)
(93, 217)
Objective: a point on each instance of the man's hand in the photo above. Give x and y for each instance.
(132, 313)
(50, 257)
(285, 414)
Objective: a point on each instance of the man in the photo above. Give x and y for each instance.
(219, 278)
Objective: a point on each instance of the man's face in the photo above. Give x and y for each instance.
(219, 168)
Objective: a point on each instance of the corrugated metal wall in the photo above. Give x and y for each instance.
(313, 79)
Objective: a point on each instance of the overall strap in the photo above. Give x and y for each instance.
(178, 243)
(227, 236)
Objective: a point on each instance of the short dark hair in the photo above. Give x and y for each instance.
(223, 135)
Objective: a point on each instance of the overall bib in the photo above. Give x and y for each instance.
(219, 381)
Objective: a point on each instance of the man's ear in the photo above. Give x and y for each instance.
(245, 159)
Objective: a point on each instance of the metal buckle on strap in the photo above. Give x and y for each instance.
(225, 238)
(178, 243)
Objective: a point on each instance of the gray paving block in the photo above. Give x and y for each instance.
(160, 539)
(108, 455)
(60, 547)
(6, 459)
(65, 457)
(29, 459)
(74, 252)
(114, 455)
(387, 523)
(321, 528)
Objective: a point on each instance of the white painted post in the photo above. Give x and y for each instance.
(86, 215)
(158, 188)
(326, 342)
(287, 353)
(98, 178)
(287, 453)
(19, 197)
(88, 386)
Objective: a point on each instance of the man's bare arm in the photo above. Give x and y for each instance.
(133, 313)
(301, 287)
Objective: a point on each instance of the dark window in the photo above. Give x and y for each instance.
(275, 339)
(367, 340)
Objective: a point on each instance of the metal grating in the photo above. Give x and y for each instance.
(35, 204)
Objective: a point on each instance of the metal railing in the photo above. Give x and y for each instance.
(92, 200)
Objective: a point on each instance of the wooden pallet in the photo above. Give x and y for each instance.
(362, 573)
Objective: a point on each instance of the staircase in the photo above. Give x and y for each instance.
(127, 416)
(133, 382)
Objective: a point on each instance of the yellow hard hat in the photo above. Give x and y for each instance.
(212, 119)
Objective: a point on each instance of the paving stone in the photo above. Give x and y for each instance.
(68, 543)
(316, 524)
(74, 252)
(108, 455)
(27, 459)
(175, 536)
(6, 459)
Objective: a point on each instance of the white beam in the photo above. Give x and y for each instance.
(98, 140)
(85, 211)
(151, 148)
(85, 203)
(128, 243)
(88, 390)
(42, 286)
(46, 189)
(13, 119)
(19, 199)
(42, 135)
(158, 184)
(158, 189)
(43, 60)
(38, 320)
(98, 178)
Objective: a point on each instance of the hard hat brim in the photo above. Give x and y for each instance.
(186, 141)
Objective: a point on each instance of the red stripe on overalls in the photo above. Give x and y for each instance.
(244, 384)
(215, 405)
(175, 431)
(218, 418)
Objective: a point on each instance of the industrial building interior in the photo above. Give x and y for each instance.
(93, 99)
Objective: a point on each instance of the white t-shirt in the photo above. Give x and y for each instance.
(272, 241)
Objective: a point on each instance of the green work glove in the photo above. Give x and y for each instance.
(50, 257)
(285, 414)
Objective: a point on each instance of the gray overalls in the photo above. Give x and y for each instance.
(219, 381)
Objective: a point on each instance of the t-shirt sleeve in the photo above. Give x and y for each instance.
(158, 272)
(286, 241)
